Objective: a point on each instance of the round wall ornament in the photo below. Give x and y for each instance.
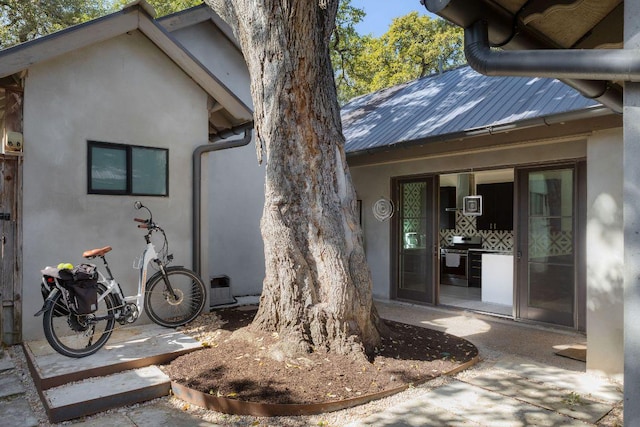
(383, 209)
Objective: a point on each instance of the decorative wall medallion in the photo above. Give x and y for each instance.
(383, 209)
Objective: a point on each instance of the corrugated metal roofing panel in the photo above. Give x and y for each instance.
(455, 101)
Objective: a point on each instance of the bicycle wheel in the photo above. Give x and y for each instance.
(76, 335)
(169, 310)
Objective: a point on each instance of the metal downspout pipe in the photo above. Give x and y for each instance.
(574, 66)
(214, 145)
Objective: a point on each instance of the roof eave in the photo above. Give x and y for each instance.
(542, 121)
(133, 17)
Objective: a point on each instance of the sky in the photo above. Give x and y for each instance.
(380, 13)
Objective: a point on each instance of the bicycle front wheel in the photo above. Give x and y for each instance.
(76, 335)
(185, 303)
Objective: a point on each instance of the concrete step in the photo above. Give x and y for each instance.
(95, 395)
(119, 374)
(128, 348)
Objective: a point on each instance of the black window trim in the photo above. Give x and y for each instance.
(128, 148)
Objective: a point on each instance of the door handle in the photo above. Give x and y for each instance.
(518, 255)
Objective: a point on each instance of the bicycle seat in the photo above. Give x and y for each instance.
(96, 252)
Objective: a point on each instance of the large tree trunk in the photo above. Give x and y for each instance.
(317, 290)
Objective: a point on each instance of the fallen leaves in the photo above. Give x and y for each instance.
(243, 369)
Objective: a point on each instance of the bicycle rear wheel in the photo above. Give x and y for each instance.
(182, 307)
(76, 335)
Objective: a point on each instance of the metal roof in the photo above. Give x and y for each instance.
(449, 103)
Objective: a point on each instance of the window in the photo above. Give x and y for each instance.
(127, 170)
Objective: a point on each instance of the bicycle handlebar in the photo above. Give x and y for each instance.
(139, 220)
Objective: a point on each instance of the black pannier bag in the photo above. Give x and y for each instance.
(82, 283)
(48, 282)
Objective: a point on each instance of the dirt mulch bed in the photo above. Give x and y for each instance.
(241, 369)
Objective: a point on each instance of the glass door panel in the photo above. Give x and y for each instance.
(414, 225)
(547, 265)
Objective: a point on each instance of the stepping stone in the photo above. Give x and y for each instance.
(415, 413)
(562, 401)
(584, 385)
(160, 415)
(17, 412)
(5, 362)
(493, 409)
(10, 384)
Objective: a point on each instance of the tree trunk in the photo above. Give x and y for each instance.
(317, 290)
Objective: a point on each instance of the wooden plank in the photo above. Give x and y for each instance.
(10, 289)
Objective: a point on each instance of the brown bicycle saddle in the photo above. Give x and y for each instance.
(96, 252)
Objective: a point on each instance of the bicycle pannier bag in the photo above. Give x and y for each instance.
(46, 285)
(83, 288)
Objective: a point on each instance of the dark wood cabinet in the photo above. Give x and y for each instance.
(497, 206)
(474, 278)
(447, 208)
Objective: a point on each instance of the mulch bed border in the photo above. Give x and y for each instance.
(239, 407)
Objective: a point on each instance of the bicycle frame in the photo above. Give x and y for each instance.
(149, 254)
(77, 332)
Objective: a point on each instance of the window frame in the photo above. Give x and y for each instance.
(128, 149)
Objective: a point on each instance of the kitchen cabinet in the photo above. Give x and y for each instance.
(497, 206)
(447, 208)
(474, 277)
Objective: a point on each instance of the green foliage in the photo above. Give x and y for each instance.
(414, 46)
(346, 48)
(22, 20)
(163, 7)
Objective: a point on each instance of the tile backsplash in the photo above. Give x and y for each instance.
(496, 240)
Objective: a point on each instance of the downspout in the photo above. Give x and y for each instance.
(574, 66)
(214, 145)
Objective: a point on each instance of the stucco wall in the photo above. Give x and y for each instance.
(234, 185)
(236, 199)
(605, 254)
(211, 47)
(603, 151)
(372, 182)
(125, 91)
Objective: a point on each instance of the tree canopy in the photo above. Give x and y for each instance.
(163, 7)
(414, 46)
(22, 20)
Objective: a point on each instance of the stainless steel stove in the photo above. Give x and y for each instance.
(454, 260)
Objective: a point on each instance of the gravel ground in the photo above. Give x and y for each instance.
(338, 418)
(491, 350)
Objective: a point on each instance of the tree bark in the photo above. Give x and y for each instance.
(317, 291)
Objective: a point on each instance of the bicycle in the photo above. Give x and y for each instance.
(172, 297)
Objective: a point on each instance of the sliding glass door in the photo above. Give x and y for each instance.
(547, 245)
(413, 238)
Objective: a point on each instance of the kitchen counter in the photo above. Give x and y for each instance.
(497, 278)
(492, 251)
